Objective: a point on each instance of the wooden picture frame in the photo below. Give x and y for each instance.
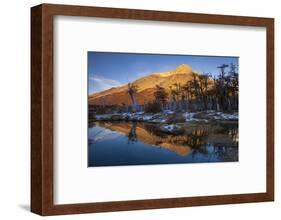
(42, 109)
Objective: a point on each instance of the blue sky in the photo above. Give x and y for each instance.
(106, 69)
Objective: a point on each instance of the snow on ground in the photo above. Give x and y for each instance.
(103, 117)
(209, 115)
(222, 116)
(170, 127)
(189, 116)
(234, 116)
(162, 117)
(168, 112)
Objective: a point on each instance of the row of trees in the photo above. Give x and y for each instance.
(204, 91)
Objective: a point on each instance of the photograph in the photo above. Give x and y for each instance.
(146, 109)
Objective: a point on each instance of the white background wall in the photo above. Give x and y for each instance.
(15, 110)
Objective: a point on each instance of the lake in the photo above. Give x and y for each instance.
(142, 143)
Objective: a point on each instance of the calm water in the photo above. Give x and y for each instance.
(131, 143)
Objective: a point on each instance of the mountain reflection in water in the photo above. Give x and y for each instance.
(134, 143)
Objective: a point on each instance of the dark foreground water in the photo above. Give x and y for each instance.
(128, 143)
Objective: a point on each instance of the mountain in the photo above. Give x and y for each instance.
(146, 87)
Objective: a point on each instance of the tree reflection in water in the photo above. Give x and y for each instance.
(199, 140)
(132, 135)
(221, 143)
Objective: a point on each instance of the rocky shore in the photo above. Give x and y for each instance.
(171, 122)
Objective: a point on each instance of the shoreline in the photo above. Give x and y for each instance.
(170, 122)
(167, 117)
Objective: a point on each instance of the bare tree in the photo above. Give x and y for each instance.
(132, 91)
(160, 94)
(203, 83)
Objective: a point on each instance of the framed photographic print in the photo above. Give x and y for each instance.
(138, 109)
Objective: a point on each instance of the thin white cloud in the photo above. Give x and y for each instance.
(99, 83)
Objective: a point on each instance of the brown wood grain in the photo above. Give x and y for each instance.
(36, 108)
(270, 109)
(42, 109)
